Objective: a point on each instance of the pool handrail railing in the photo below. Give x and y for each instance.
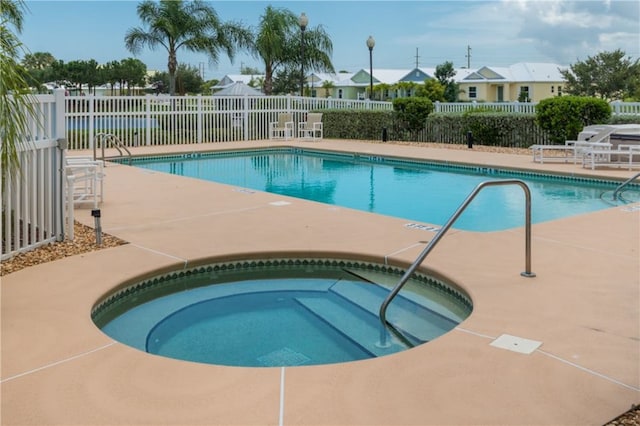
(623, 184)
(527, 273)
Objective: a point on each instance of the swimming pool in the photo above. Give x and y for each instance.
(415, 190)
(279, 312)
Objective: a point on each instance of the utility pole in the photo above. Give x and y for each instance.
(468, 55)
(417, 58)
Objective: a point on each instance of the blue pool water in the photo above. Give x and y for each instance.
(411, 190)
(280, 315)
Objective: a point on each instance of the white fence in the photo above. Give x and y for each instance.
(33, 209)
(154, 120)
(625, 108)
(617, 107)
(513, 107)
(168, 120)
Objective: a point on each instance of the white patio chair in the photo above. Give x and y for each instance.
(312, 128)
(283, 128)
(86, 175)
(573, 149)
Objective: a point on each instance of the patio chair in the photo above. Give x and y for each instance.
(312, 128)
(573, 149)
(283, 128)
(85, 178)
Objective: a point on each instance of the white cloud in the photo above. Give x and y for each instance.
(568, 30)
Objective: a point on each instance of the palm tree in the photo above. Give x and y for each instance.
(192, 25)
(278, 44)
(38, 60)
(328, 86)
(15, 103)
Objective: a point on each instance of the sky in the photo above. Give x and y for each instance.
(407, 33)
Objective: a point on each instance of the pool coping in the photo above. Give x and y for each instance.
(585, 372)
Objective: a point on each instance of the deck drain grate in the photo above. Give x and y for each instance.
(283, 357)
(516, 344)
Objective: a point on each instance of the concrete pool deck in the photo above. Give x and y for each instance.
(583, 306)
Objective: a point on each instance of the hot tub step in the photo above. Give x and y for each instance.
(365, 332)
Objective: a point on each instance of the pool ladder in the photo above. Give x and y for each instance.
(623, 184)
(103, 139)
(527, 272)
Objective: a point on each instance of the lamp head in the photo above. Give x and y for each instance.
(371, 43)
(303, 20)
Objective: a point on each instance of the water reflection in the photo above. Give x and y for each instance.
(418, 194)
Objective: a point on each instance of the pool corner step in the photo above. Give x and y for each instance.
(354, 327)
(414, 320)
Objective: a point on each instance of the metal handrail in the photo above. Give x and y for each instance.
(445, 228)
(102, 139)
(623, 184)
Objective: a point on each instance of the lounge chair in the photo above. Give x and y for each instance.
(624, 155)
(573, 149)
(283, 128)
(312, 128)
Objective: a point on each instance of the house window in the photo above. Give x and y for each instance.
(524, 94)
(473, 93)
(559, 90)
(339, 93)
(551, 89)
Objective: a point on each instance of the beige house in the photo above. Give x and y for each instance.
(524, 81)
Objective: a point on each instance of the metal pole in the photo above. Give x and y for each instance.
(370, 72)
(370, 44)
(302, 62)
(302, 21)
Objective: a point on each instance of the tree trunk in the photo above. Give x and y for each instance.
(268, 79)
(172, 66)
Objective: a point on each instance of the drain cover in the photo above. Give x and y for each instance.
(283, 357)
(516, 344)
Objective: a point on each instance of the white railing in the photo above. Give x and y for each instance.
(617, 107)
(625, 108)
(512, 107)
(168, 120)
(33, 209)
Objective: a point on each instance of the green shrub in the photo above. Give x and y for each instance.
(624, 119)
(413, 112)
(355, 124)
(488, 128)
(565, 116)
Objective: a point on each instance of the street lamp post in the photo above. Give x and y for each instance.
(370, 43)
(302, 21)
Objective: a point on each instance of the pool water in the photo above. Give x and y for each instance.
(424, 192)
(280, 315)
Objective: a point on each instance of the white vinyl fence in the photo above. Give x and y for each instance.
(625, 108)
(154, 120)
(617, 107)
(33, 208)
(513, 107)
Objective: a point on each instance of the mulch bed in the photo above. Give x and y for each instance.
(84, 241)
